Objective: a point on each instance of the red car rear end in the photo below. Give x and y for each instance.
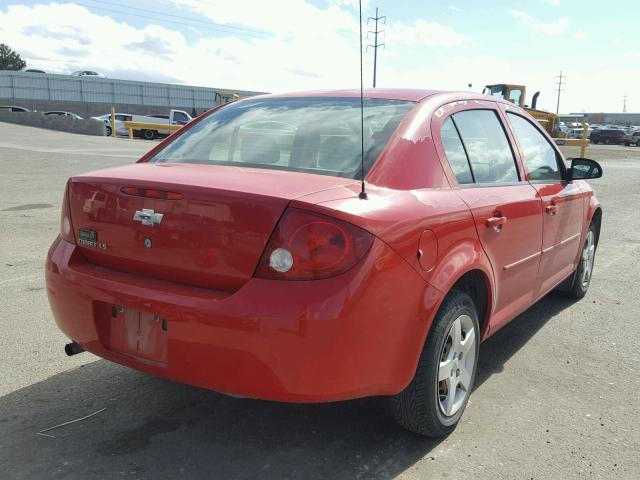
(239, 255)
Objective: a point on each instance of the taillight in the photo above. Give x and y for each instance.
(310, 246)
(66, 227)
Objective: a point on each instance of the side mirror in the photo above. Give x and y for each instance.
(584, 169)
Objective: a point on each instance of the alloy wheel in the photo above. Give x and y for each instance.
(588, 255)
(457, 364)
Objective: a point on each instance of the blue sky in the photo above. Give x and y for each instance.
(303, 44)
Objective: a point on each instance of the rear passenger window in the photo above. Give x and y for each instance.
(539, 156)
(487, 147)
(454, 150)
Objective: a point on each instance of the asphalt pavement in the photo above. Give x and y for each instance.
(557, 395)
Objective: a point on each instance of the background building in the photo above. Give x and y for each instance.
(89, 96)
(603, 118)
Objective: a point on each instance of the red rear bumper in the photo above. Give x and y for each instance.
(358, 334)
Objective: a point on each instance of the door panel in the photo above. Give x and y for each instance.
(562, 227)
(561, 201)
(507, 210)
(513, 248)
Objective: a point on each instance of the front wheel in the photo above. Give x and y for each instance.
(581, 278)
(434, 401)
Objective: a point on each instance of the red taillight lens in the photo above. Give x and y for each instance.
(310, 246)
(66, 227)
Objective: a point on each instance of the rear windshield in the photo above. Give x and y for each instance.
(314, 135)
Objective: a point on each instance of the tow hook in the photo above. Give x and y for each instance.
(73, 349)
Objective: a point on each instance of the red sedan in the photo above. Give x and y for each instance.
(240, 256)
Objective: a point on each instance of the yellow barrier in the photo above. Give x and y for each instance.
(577, 142)
(113, 122)
(131, 126)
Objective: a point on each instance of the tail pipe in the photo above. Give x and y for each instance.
(73, 349)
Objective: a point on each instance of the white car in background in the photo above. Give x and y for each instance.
(175, 117)
(87, 73)
(120, 119)
(60, 113)
(577, 132)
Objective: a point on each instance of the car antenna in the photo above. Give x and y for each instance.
(363, 194)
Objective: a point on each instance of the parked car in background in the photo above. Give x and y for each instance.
(276, 249)
(13, 108)
(60, 113)
(87, 73)
(120, 119)
(175, 117)
(633, 138)
(579, 132)
(608, 136)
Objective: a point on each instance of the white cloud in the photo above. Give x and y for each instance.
(302, 46)
(521, 15)
(554, 3)
(65, 37)
(455, 73)
(555, 27)
(551, 28)
(428, 34)
(580, 35)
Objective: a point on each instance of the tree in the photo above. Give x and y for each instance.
(9, 59)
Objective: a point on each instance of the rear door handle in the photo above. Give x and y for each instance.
(496, 223)
(551, 209)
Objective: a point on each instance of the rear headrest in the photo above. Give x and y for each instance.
(259, 149)
(337, 154)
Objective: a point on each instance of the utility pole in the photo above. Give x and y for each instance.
(375, 45)
(559, 83)
(624, 104)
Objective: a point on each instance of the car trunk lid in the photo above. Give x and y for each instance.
(211, 233)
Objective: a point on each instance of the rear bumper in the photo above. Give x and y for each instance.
(358, 334)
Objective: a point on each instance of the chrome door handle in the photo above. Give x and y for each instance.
(496, 223)
(551, 209)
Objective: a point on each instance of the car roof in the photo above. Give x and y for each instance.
(407, 94)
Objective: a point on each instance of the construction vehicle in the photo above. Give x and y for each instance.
(517, 94)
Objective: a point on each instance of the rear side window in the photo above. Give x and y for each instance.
(539, 156)
(454, 150)
(486, 145)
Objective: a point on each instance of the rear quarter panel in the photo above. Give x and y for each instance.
(400, 218)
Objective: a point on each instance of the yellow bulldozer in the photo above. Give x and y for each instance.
(517, 94)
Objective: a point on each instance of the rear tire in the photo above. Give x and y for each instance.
(433, 403)
(149, 134)
(577, 285)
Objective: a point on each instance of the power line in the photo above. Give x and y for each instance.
(375, 45)
(185, 21)
(559, 83)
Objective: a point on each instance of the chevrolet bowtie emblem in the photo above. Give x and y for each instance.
(147, 216)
